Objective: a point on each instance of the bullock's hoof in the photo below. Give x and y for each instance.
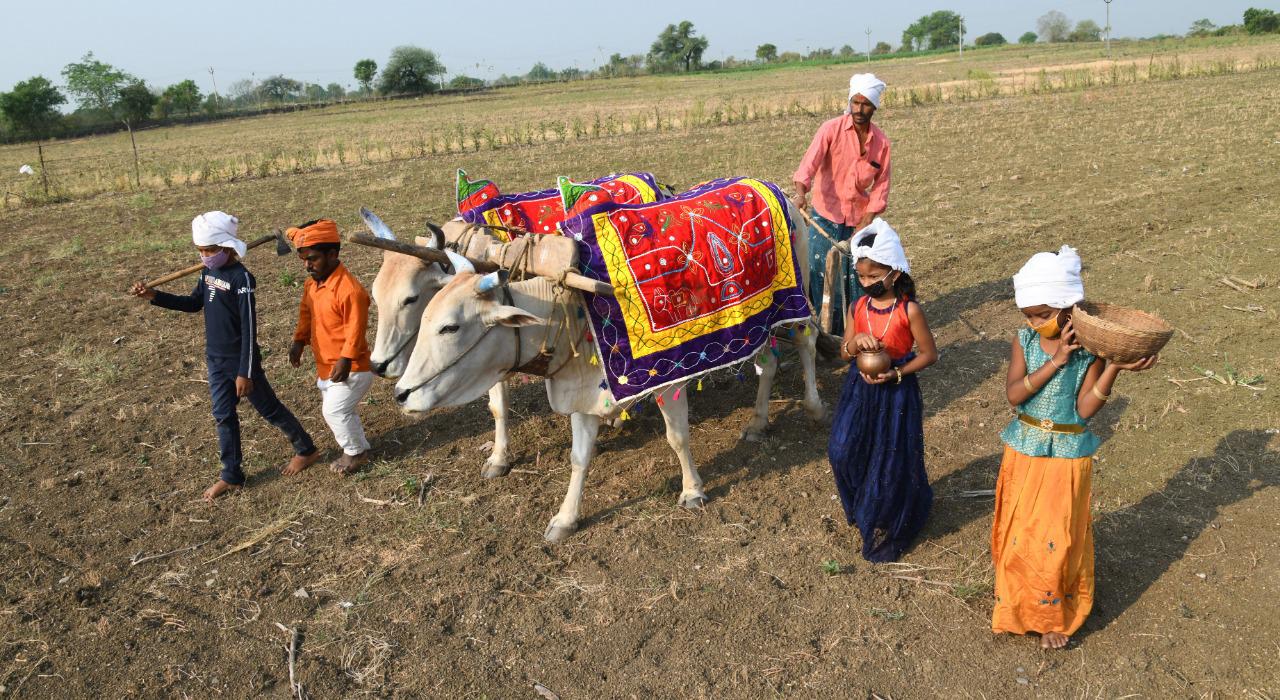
(752, 434)
(494, 469)
(556, 534)
(818, 412)
(693, 500)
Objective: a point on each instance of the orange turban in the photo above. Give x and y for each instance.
(320, 231)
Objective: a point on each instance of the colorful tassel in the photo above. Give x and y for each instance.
(625, 415)
(676, 396)
(699, 383)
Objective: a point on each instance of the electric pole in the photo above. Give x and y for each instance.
(868, 32)
(1108, 3)
(216, 98)
(961, 37)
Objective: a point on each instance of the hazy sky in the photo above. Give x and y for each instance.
(166, 41)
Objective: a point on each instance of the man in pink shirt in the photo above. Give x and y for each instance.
(846, 169)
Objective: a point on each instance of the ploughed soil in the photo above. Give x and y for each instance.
(116, 580)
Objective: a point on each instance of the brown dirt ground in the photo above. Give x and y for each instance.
(107, 443)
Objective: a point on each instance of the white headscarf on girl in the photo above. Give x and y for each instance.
(886, 249)
(1052, 279)
(217, 228)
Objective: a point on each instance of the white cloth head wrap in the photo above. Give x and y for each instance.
(217, 228)
(886, 249)
(1052, 279)
(867, 85)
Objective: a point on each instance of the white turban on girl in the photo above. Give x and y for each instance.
(1052, 279)
(886, 249)
(219, 229)
(867, 85)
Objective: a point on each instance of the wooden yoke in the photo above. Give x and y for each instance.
(554, 257)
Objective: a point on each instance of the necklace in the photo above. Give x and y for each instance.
(866, 313)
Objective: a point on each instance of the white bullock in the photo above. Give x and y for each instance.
(401, 291)
(476, 329)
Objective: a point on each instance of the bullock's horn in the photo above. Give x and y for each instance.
(492, 281)
(459, 263)
(437, 236)
(375, 225)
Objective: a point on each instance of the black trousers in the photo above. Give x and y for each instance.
(222, 389)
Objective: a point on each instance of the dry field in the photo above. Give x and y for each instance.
(1166, 187)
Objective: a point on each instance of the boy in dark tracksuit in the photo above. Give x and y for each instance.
(225, 293)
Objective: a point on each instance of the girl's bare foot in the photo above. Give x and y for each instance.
(219, 487)
(300, 462)
(1053, 640)
(349, 464)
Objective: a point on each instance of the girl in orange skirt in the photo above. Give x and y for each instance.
(1042, 535)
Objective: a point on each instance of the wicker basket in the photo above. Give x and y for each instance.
(1118, 333)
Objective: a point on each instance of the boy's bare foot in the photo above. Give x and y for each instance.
(1053, 640)
(349, 464)
(220, 487)
(300, 462)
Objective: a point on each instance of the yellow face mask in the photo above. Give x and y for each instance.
(1048, 329)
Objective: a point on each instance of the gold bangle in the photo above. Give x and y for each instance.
(1026, 381)
(899, 371)
(1056, 366)
(845, 347)
(1100, 396)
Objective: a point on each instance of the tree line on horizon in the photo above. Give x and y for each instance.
(106, 95)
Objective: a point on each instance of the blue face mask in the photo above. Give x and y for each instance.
(217, 260)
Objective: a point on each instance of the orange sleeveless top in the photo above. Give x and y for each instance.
(890, 326)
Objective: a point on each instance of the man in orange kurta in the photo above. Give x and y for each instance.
(333, 319)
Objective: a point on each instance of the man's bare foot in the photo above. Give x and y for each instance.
(219, 487)
(300, 462)
(349, 464)
(1053, 640)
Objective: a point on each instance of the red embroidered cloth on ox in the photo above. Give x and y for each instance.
(699, 280)
(480, 202)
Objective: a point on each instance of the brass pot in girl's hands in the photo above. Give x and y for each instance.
(873, 362)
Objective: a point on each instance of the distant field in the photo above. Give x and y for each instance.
(361, 134)
(1166, 186)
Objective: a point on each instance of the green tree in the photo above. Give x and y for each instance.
(335, 91)
(1261, 21)
(465, 82)
(882, 48)
(278, 88)
(32, 108)
(315, 92)
(540, 73)
(677, 47)
(847, 51)
(767, 53)
(1086, 30)
(184, 96)
(100, 86)
(366, 69)
(933, 31)
(1053, 26)
(990, 39)
(409, 70)
(1028, 38)
(1201, 27)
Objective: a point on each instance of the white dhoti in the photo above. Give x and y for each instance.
(339, 402)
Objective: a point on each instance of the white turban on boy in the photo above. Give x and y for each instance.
(886, 249)
(218, 229)
(867, 85)
(1052, 279)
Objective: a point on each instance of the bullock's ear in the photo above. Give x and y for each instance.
(513, 317)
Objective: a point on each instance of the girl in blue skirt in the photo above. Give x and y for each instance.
(877, 435)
